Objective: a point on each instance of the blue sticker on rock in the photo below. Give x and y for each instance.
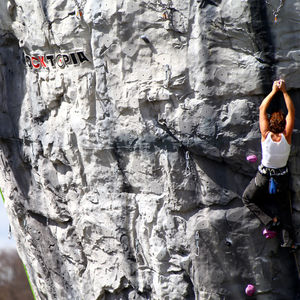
(60, 60)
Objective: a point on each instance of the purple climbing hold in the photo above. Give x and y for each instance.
(252, 158)
(269, 234)
(250, 290)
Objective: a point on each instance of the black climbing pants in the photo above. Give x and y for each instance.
(257, 199)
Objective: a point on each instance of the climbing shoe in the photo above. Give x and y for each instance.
(273, 225)
(291, 247)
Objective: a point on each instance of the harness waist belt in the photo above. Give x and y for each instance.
(272, 172)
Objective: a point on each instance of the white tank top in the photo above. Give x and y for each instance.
(275, 154)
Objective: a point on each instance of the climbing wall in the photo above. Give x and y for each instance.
(125, 127)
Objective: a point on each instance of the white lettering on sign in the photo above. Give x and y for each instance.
(52, 60)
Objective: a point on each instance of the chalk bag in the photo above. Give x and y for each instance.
(272, 186)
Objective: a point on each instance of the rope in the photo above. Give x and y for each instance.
(27, 275)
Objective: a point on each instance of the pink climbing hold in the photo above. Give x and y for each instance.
(252, 158)
(269, 234)
(250, 290)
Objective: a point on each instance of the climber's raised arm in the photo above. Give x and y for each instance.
(290, 118)
(263, 117)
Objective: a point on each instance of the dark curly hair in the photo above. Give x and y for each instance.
(277, 122)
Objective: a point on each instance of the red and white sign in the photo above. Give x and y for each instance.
(55, 60)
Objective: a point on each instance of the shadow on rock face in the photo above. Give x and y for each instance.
(12, 76)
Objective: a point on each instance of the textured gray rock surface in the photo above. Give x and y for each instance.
(115, 169)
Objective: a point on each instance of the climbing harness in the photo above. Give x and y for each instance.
(277, 10)
(197, 242)
(273, 184)
(272, 172)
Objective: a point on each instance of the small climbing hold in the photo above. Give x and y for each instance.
(145, 39)
(252, 158)
(269, 234)
(228, 242)
(250, 290)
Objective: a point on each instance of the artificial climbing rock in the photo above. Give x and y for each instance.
(125, 128)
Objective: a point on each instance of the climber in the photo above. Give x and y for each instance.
(272, 178)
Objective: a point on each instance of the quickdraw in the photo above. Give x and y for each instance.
(80, 8)
(277, 10)
(197, 242)
(188, 164)
(9, 232)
